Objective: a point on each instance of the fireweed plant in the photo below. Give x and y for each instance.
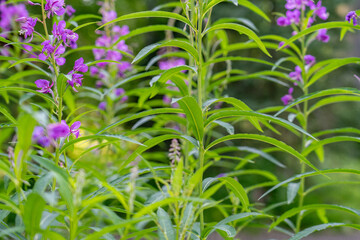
(89, 156)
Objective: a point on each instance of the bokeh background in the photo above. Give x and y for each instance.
(259, 94)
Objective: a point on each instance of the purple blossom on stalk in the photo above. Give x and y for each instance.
(352, 17)
(58, 130)
(9, 13)
(44, 85)
(39, 137)
(221, 175)
(283, 21)
(282, 44)
(319, 10)
(309, 60)
(47, 48)
(296, 75)
(69, 10)
(102, 106)
(27, 26)
(288, 97)
(166, 100)
(94, 71)
(55, 7)
(70, 38)
(80, 66)
(323, 36)
(171, 63)
(75, 81)
(58, 29)
(74, 129)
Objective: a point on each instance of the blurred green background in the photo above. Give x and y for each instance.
(258, 93)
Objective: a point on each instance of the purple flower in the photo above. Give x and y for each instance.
(319, 10)
(108, 16)
(282, 44)
(121, 30)
(309, 60)
(55, 7)
(47, 48)
(69, 10)
(296, 75)
(69, 38)
(221, 175)
(75, 81)
(58, 29)
(171, 63)
(58, 130)
(166, 100)
(74, 129)
(119, 91)
(44, 85)
(288, 97)
(352, 17)
(102, 106)
(59, 60)
(293, 16)
(99, 84)
(27, 26)
(8, 13)
(322, 36)
(39, 137)
(283, 21)
(80, 66)
(94, 71)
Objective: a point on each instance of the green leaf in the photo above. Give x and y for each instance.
(312, 207)
(238, 190)
(33, 210)
(333, 99)
(16, 89)
(306, 232)
(25, 60)
(238, 104)
(229, 230)
(166, 224)
(194, 115)
(242, 30)
(7, 115)
(229, 128)
(292, 191)
(62, 179)
(244, 3)
(310, 174)
(144, 14)
(185, 45)
(246, 114)
(319, 26)
(323, 93)
(265, 139)
(177, 180)
(98, 136)
(331, 67)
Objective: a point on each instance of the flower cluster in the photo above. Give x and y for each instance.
(294, 15)
(294, 8)
(55, 131)
(75, 78)
(110, 48)
(352, 17)
(8, 14)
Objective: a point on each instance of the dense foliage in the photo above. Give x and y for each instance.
(148, 144)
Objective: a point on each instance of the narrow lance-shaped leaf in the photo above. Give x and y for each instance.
(242, 30)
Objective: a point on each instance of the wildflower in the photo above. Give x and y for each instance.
(322, 36)
(80, 66)
(69, 38)
(74, 129)
(102, 106)
(39, 137)
(309, 60)
(58, 29)
(166, 100)
(27, 26)
(75, 81)
(171, 63)
(55, 7)
(94, 71)
(320, 11)
(44, 85)
(59, 60)
(293, 16)
(282, 44)
(58, 130)
(108, 16)
(69, 10)
(296, 75)
(221, 175)
(9, 13)
(122, 31)
(47, 48)
(352, 17)
(99, 84)
(288, 97)
(283, 21)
